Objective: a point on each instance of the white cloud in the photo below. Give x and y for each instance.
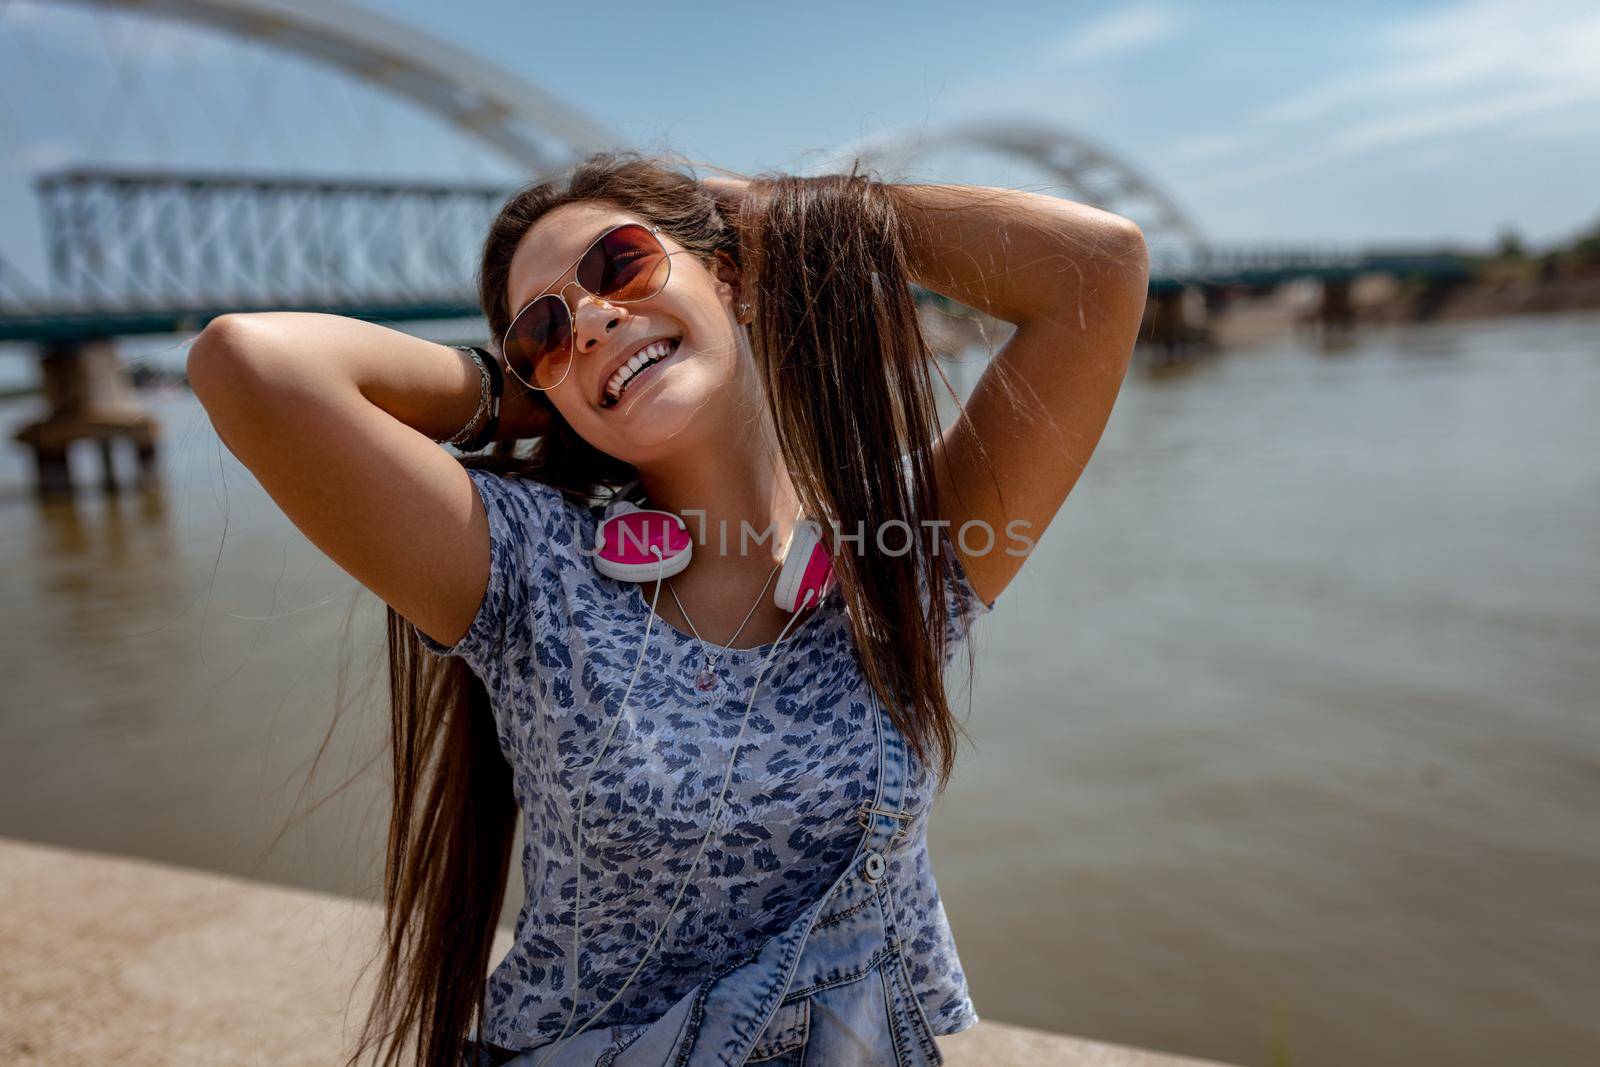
(1117, 33)
(1437, 75)
(1055, 71)
(1202, 147)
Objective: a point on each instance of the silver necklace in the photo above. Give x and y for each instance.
(707, 678)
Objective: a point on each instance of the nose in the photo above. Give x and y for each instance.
(594, 319)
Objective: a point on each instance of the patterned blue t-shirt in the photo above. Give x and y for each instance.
(555, 642)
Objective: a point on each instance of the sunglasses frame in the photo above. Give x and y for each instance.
(572, 318)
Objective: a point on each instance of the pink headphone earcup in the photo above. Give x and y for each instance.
(806, 569)
(640, 545)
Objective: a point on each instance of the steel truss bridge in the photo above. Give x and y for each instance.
(160, 253)
(146, 252)
(140, 253)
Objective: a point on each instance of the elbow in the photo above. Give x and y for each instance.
(1130, 251)
(1109, 254)
(1137, 260)
(222, 335)
(1128, 273)
(219, 337)
(222, 364)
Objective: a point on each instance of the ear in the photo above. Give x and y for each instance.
(729, 285)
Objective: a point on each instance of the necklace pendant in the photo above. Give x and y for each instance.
(705, 681)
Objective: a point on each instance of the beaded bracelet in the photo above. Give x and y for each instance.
(472, 437)
(483, 402)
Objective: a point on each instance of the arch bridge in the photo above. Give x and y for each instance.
(141, 251)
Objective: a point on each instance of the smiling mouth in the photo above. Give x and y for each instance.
(628, 373)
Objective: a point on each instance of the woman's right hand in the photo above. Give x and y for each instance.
(524, 412)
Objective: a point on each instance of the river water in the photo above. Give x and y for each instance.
(1285, 750)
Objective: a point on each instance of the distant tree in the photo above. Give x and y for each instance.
(1510, 245)
(1586, 249)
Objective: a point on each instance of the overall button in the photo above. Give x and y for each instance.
(873, 866)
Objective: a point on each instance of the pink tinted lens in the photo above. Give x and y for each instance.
(625, 264)
(538, 347)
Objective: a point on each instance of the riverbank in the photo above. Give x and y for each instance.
(1496, 298)
(1382, 301)
(105, 959)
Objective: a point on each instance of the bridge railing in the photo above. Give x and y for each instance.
(154, 252)
(1276, 264)
(127, 241)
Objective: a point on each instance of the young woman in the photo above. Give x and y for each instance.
(744, 766)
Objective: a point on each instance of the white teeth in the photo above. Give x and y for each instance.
(646, 355)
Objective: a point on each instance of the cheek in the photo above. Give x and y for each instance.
(699, 308)
(568, 400)
(709, 323)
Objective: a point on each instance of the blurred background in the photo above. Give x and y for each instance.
(1287, 751)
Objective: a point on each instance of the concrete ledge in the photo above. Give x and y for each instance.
(108, 960)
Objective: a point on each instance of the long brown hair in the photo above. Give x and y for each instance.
(848, 383)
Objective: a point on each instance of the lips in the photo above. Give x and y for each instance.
(619, 367)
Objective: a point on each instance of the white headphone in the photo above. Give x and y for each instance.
(629, 536)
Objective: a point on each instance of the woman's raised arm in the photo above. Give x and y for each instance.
(1073, 279)
(336, 418)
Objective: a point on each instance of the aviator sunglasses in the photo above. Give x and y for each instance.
(624, 265)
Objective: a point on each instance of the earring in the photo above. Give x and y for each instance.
(744, 309)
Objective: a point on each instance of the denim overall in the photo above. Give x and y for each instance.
(831, 990)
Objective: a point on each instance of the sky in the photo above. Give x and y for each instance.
(1348, 124)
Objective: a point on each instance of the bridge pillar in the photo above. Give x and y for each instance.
(89, 397)
(1167, 324)
(1337, 314)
